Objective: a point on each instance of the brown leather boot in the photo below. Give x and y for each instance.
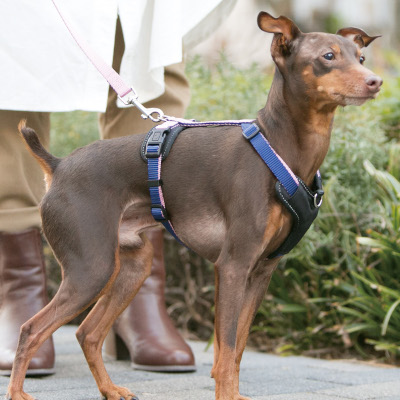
(144, 332)
(22, 295)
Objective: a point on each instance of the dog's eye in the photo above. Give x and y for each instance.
(329, 56)
(362, 59)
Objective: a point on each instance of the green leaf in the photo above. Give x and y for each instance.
(388, 316)
(293, 308)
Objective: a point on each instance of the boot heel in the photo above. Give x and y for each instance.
(114, 347)
(23, 294)
(122, 350)
(109, 346)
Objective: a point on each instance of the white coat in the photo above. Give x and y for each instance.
(43, 69)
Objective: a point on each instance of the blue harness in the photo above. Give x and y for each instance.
(301, 201)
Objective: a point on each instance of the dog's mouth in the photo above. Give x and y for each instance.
(355, 100)
(358, 100)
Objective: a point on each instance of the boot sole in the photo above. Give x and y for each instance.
(31, 372)
(164, 368)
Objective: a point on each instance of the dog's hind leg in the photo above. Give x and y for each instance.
(70, 300)
(87, 271)
(135, 268)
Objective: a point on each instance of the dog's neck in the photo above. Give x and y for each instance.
(298, 130)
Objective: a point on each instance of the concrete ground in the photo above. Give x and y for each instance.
(263, 377)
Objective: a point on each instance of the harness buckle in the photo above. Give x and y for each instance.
(155, 182)
(155, 142)
(250, 131)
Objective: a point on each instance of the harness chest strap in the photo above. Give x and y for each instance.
(302, 202)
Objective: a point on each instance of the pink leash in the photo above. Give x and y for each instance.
(125, 93)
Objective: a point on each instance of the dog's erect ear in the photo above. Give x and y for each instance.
(360, 38)
(285, 31)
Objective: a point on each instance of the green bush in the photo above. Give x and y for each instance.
(71, 130)
(374, 307)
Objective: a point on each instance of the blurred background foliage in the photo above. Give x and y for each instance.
(337, 293)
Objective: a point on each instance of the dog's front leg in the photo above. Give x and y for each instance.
(256, 286)
(230, 293)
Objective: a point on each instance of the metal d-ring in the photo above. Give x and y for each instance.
(316, 203)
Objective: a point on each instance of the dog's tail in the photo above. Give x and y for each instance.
(47, 161)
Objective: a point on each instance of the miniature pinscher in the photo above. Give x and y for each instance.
(220, 197)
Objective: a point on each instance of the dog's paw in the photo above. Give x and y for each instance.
(118, 393)
(240, 397)
(121, 398)
(19, 396)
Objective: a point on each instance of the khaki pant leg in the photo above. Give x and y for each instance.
(21, 179)
(116, 122)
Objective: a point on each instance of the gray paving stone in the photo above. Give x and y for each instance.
(263, 377)
(377, 390)
(299, 396)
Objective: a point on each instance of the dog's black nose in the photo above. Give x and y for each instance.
(374, 82)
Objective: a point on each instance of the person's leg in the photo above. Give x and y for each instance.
(21, 179)
(144, 330)
(22, 272)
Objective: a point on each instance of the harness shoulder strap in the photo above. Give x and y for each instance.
(275, 163)
(302, 202)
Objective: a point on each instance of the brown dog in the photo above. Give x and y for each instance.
(97, 206)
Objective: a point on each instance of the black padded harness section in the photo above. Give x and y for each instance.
(166, 137)
(304, 207)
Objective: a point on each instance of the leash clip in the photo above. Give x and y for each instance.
(131, 99)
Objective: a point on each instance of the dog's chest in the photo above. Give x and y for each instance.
(277, 228)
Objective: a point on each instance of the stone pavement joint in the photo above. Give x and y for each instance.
(263, 377)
